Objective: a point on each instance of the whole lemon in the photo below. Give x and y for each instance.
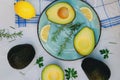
(24, 9)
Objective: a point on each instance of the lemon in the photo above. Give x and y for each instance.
(24, 9)
(45, 32)
(87, 13)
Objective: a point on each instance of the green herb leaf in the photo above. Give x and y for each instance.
(39, 61)
(56, 33)
(63, 46)
(70, 73)
(113, 42)
(105, 53)
(73, 28)
(6, 34)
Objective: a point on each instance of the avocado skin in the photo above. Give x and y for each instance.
(95, 69)
(21, 55)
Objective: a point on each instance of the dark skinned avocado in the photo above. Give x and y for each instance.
(52, 72)
(95, 69)
(84, 41)
(21, 55)
(61, 13)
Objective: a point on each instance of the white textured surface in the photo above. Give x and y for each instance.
(32, 72)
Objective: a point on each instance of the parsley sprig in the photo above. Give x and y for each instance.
(105, 53)
(39, 61)
(71, 73)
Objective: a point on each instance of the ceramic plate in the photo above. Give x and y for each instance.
(54, 43)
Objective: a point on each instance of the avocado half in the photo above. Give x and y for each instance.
(96, 69)
(61, 13)
(20, 56)
(84, 41)
(52, 72)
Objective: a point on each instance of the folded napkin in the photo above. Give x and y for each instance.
(107, 10)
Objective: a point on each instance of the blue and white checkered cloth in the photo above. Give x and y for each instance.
(107, 10)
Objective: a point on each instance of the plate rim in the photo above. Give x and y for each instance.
(58, 57)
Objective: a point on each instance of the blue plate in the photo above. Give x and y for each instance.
(54, 45)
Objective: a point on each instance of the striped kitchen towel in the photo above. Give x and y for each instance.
(107, 10)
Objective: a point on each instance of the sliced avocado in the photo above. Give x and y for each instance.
(61, 13)
(84, 41)
(52, 72)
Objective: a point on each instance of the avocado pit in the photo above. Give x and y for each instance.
(63, 12)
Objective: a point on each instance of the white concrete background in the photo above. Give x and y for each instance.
(32, 71)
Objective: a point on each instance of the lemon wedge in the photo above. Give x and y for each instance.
(44, 33)
(87, 13)
(24, 9)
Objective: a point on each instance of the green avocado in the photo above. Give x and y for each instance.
(61, 13)
(52, 72)
(96, 69)
(84, 41)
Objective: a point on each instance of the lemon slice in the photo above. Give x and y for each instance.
(24, 9)
(87, 13)
(44, 33)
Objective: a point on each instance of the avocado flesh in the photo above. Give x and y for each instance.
(95, 69)
(52, 72)
(53, 16)
(84, 41)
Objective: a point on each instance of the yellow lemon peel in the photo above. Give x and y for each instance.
(24, 9)
(87, 13)
(44, 33)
